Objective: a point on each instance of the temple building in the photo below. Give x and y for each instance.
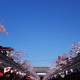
(41, 71)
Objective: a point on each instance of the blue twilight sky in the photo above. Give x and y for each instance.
(44, 28)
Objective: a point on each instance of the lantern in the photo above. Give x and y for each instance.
(7, 75)
(1, 74)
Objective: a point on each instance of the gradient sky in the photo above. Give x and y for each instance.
(44, 28)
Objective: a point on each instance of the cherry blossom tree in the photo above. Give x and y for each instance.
(26, 64)
(75, 49)
(34, 75)
(18, 54)
(29, 67)
(2, 29)
(62, 60)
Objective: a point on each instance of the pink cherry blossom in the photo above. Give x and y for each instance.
(2, 29)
